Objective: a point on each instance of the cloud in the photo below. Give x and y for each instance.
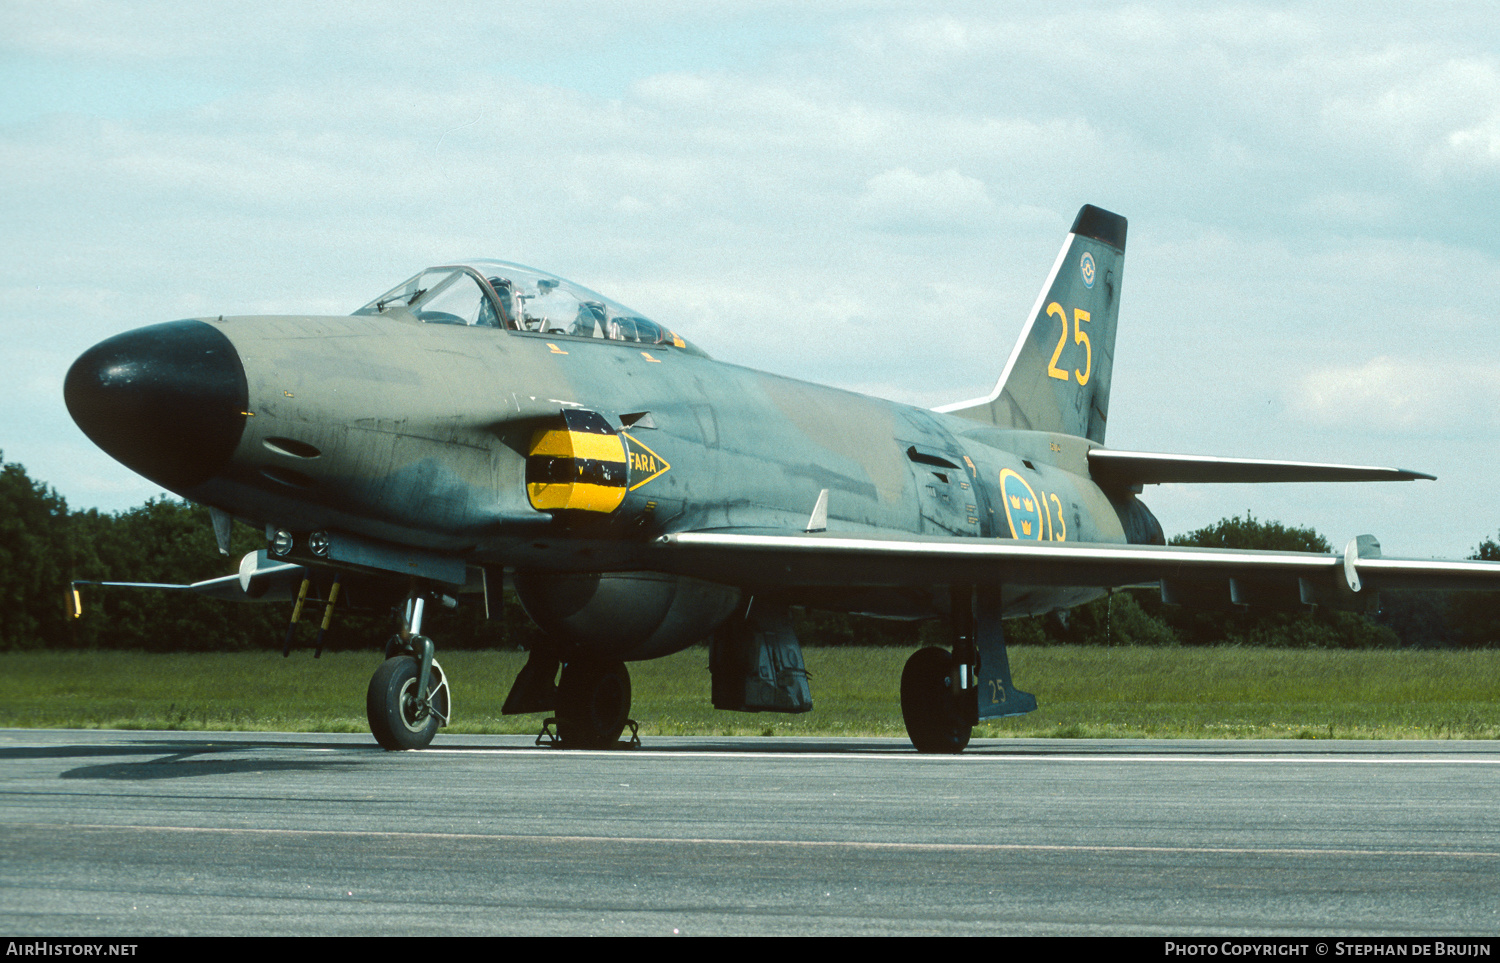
(1477, 147)
(901, 200)
(1432, 114)
(857, 194)
(1401, 395)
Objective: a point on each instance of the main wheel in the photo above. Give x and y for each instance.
(593, 703)
(932, 719)
(398, 718)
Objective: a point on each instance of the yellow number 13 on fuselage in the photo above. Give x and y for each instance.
(1080, 318)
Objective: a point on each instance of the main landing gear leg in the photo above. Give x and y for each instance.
(593, 704)
(944, 696)
(938, 699)
(408, 697)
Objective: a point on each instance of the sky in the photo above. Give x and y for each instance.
(861, 194)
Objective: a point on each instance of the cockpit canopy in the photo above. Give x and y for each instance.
(497, 294)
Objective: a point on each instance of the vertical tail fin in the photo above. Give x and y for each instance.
(1057, 378)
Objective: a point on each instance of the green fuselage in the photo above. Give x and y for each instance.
(418, 435)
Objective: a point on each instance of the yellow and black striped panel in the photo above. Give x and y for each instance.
(579, 466)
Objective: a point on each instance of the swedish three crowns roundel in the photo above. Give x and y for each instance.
(1022, 510)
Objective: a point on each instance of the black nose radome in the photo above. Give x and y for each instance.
(167, 401)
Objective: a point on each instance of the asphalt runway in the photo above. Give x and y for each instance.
(164, 833)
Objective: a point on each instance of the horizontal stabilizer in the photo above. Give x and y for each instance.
(1123, 469)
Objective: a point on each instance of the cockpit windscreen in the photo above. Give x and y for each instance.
(497, 294)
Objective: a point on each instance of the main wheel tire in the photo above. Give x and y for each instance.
(593, 703)
(397, 717)
(927, 705)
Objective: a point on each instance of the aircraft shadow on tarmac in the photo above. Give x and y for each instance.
(182, 759)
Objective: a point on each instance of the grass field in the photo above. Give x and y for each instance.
(1237, 693)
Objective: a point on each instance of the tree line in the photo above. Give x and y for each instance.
(44, 546)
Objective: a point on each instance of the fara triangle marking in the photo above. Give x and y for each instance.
(644, 460)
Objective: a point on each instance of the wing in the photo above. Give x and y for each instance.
(259, 580)
(810, 560)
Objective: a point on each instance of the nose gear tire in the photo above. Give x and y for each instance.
(398, 718)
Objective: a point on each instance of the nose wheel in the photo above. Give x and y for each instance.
(401, 716)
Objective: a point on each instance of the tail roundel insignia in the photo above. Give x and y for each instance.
(580, 466)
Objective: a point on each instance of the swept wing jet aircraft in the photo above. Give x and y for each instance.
(484, 424)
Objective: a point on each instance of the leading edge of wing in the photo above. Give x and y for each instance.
(775, 560)
(1113, 468)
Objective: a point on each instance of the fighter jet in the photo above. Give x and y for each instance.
(484, 425)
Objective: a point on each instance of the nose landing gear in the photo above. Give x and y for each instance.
(408, 698)
(402, 713)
